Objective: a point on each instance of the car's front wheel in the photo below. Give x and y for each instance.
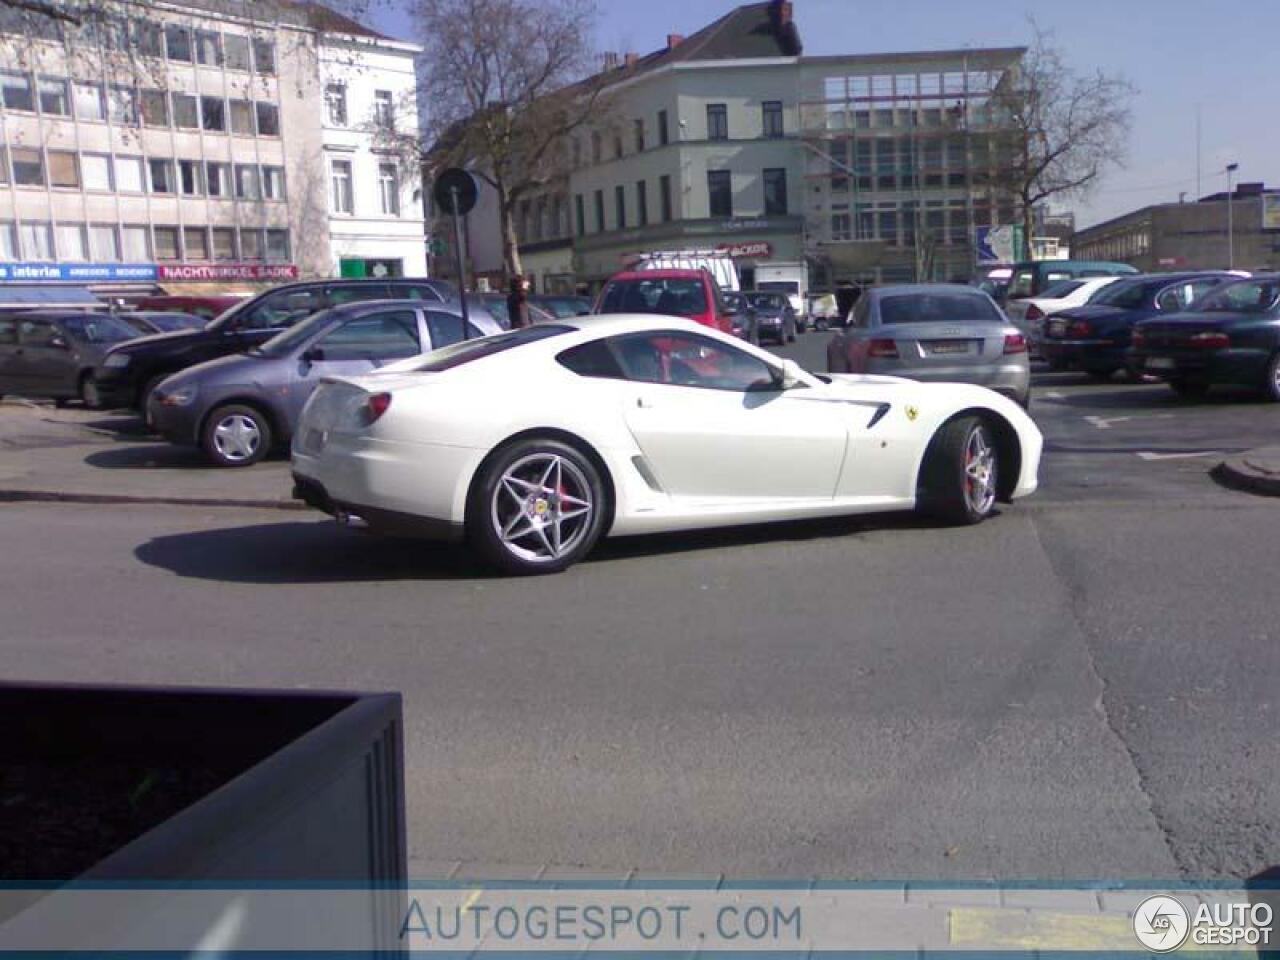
(961, 472)
(1271, 386)
(538, 506)
(236, 436)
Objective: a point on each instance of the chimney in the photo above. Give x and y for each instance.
(610, 60)
(632, 59)
(674, 40)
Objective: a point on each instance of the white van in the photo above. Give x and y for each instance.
(716, 262)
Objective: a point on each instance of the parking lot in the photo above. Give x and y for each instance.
(1076, 689)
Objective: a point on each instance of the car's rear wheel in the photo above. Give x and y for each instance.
(89, 395)
(537, 507)
(236, 436)
(1189, 389)
(1271, 386)
(961, 472)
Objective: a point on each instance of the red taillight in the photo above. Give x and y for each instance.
(1015, 343)
(884, 349)
(375, 407)
(1210, 341)
(1079, 328)
(1034, 313)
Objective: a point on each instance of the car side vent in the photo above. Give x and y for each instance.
(642, 468)
(878, 415)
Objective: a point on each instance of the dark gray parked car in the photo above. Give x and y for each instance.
(237, 408)
(51, 353)
(775, 319)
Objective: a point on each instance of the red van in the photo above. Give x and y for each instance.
(200, 306)
(678, 293)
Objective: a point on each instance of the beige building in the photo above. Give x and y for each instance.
(188, 145)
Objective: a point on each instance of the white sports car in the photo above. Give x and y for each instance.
(534, 444)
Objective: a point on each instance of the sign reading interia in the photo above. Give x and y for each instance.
(143, 272)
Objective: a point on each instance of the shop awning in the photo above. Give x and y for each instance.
(13, 295)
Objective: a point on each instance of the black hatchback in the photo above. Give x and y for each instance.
(128, 373)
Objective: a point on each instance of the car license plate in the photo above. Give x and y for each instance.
(935, 347)
(1160, 363)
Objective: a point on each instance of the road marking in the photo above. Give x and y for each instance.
(1104, 423)
(1149, 455)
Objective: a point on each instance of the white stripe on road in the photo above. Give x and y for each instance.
(1149, 455)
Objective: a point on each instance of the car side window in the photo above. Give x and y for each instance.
(37, 333)
(353, 292)
(417, 291)
(379, 336)
(445, 329)
(1178, 296)
(680, 359)
(594, 359)
(8, 331)
(281, 309)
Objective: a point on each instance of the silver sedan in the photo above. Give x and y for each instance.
(934, 332)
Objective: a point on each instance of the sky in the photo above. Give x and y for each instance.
(1214, 57)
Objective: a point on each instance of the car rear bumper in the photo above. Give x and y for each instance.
(1011, 379)
(391, 522)
(1244, 367)
(179, 425)
(1085, 354)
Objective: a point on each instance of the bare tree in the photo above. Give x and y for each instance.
(1064, 128)
(504, 88)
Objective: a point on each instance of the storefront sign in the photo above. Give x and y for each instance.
(229, 271)
(77, 272)
(759, 249)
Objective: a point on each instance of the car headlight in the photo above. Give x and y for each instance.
(115, 361)
(178, 397)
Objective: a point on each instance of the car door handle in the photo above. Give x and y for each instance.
(645, 403)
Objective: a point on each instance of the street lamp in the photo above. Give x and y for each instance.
(1231, 220)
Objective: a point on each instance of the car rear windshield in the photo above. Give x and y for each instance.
(100, 328)
(1129, 295)
(938, 308)
(467, 351)
(676, 297)
(1252, 296)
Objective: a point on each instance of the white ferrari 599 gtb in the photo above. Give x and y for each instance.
(534, 444)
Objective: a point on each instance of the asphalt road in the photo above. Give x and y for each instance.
(1084, 687)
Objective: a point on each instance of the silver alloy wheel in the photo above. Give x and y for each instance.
(979, 472)
(541, 508)
(237, 437)
(1275, 377)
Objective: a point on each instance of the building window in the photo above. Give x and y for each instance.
(771, 119)
(72, 247)
(224, 243)
(88, 97)
(264, 56)
(208, 48)
(717, 121)
(268, 119)
(28, 166)
(389, 189)
(217, 179)
(95, 168)
(166, 243)
(278, 245)
(664, 192)
(64, 171)
(189, 178)
(135, 244)
(840, 226)
(720, 193)
(161, 176)
(236, 50)
(37, 241)
(251, 244)
(775, 192)
(213, 114)
(580, 215)
(595, 146)
(122, 105)
(53, 98)
(273, 183)
(186, 111)
(148, 38)
(241, 117)
(129, 174)
(620, 207)
(340, 186)
(639, 132)
(247, 184)
(642, 203)
(155, 108)
(195, 243)
(15, 88)
(335, 101)
(177, 43)
(384, 116)
(599, 201)
(664, 135)
(104, 245)
(8, 242)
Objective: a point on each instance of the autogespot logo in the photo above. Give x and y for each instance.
(1161, 924)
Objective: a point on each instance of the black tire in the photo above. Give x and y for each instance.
(236, 435)
(945, 492)
(89, 398)
(1271, 386)
(495, 520)
(1189, 389)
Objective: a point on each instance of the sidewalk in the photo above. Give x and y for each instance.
(89, 456)
(1256, 471)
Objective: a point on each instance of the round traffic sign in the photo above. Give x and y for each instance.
(455, 191)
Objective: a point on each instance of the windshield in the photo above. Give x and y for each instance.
(766, 301)
(675, 297)
(1062, 289)
(99, 328)
(938, 308)
(467, 351)
(286, 342)
(1251, 296)
(168, 322)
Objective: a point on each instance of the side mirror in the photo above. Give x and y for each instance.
(313, 355)
(792, 375)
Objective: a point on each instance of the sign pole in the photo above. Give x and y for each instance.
(462, 275)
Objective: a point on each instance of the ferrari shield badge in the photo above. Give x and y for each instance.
(912, 413)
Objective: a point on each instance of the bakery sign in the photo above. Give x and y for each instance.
(756, 249)
(228, 271)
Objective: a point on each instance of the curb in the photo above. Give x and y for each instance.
(58, 496)
(1240, 473)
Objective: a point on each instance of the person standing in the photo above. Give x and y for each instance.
(518, 302)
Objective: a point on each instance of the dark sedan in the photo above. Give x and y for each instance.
(1232, 337)
(52, 354)
(1095, 337)
(774, 319)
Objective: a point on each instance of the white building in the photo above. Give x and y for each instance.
(188, 145)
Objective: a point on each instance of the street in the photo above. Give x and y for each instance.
(1081, 688)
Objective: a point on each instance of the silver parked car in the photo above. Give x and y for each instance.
(936, 332)
(237, 408)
